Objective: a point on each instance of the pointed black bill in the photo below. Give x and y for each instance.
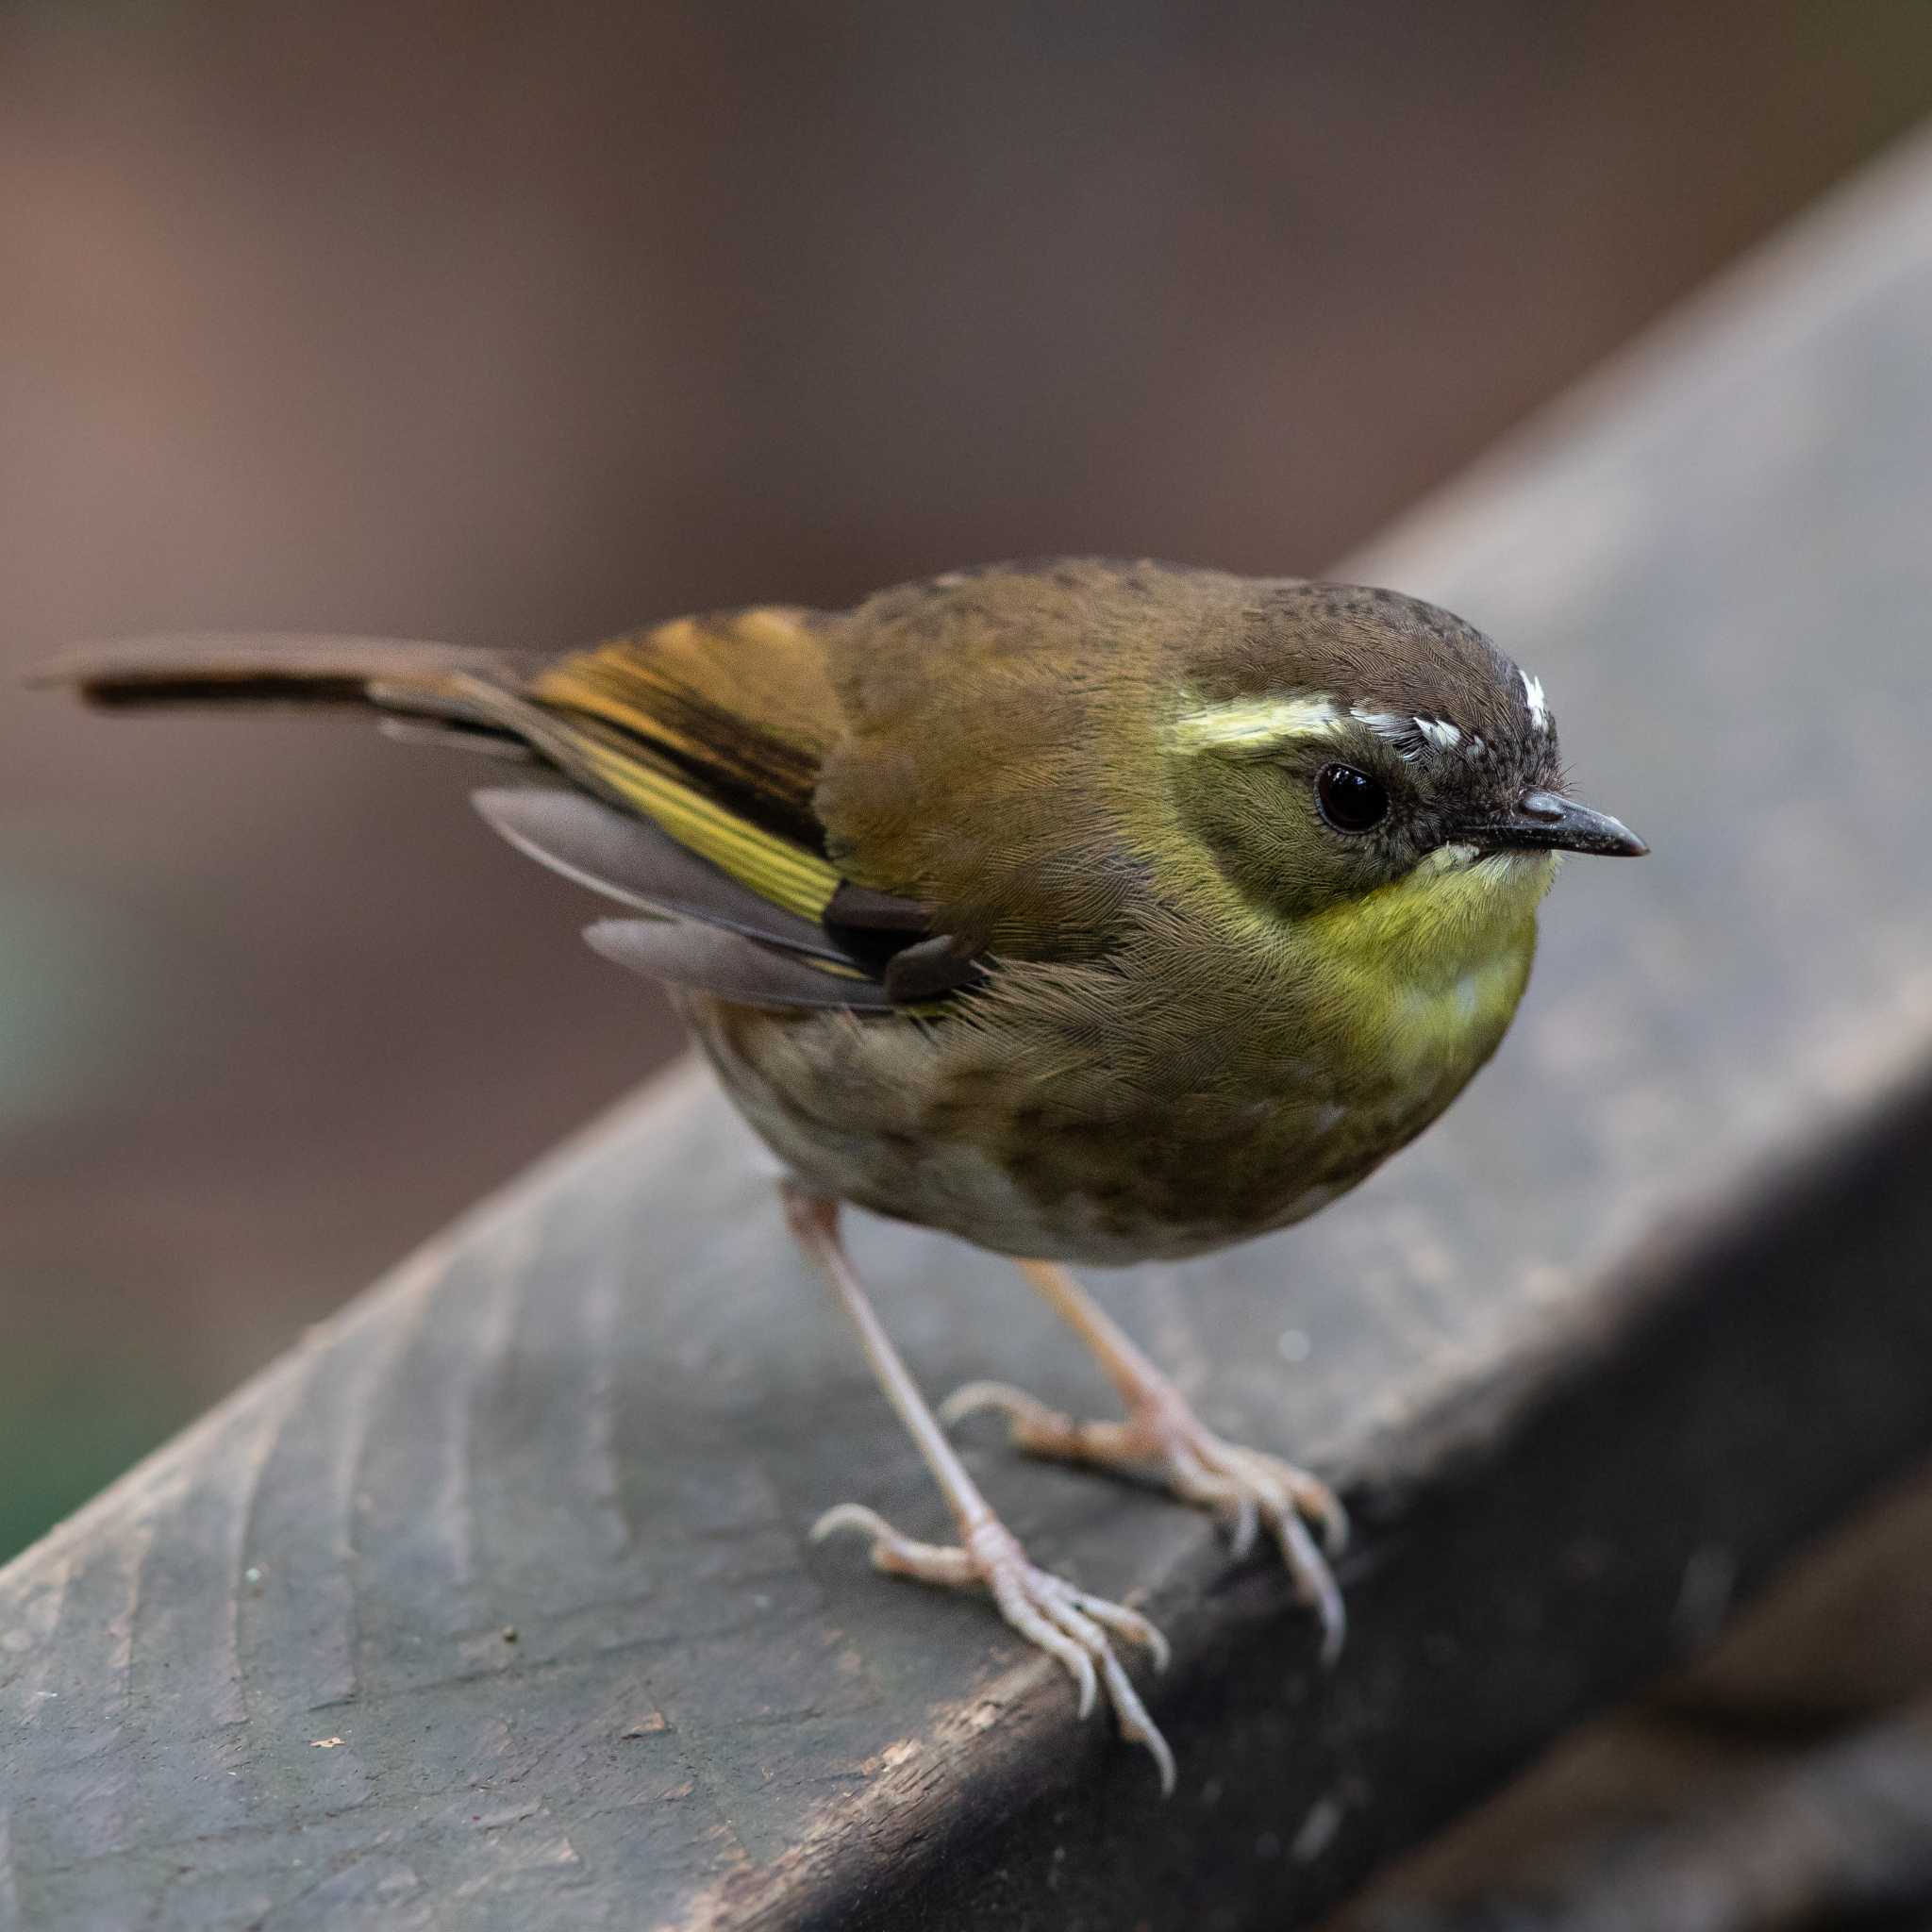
(1546, 822)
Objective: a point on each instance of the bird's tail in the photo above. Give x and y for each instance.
(692, 815)
(534, 708)
(442, 687)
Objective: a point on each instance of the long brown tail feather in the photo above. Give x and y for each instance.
(217, 669)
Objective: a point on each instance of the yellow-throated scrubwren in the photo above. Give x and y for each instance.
(1089, 911)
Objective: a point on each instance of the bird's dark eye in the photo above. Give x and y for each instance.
(1351, 801)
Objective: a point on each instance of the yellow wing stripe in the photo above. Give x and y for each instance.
(774, 867)
(595, 753)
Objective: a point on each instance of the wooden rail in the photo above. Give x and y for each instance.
(491, 1605)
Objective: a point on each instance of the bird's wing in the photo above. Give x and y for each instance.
(699, 744)
(705, 738)
(714, 729)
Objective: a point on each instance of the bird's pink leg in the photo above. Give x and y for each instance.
(1246, 1487)
(1073, 1627)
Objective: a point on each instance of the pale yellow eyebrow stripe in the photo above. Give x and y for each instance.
(1251, 728)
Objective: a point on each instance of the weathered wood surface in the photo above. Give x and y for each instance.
(491, 1605)
(1841, 1837)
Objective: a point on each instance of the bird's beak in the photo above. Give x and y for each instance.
(1546, 822)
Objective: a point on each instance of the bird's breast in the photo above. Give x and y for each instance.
(1087, 1115)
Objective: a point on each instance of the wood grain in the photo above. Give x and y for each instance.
(491, 1605)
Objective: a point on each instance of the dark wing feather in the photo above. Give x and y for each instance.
(716, 730)
(628, 859)
(706, 960)
(451, 736)
(739, 705)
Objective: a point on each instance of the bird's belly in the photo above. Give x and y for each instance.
(877, 1117)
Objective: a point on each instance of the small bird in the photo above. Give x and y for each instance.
(1087, 910)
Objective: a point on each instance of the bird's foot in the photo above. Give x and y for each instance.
(1247, 1489)
(1068, 1624)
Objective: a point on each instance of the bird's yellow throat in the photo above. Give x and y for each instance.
(1436, 962)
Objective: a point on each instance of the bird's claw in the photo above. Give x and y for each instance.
(1248, 1488)
(1071, 1625)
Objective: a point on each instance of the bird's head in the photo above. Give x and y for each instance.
(1338, 741)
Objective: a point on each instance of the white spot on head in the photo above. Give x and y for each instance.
(1400, 732)
(1414, 738)
(1533, 697)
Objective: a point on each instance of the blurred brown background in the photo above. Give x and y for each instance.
(525, 324)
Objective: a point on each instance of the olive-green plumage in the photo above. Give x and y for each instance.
(1197, 1006)
(1083, 909)
(1209, 1014)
